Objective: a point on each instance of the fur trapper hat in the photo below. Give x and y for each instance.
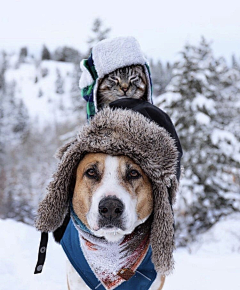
(121, 132)
(107, 56)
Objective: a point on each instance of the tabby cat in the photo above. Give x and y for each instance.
(126, 82)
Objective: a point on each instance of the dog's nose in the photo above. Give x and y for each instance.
(110, 208)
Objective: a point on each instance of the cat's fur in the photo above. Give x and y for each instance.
(126, 82)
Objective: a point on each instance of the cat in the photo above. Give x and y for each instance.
(126, 82)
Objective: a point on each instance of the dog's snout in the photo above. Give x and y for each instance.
(111, 208)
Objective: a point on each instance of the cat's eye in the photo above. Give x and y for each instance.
(114, 79)
(133, 79)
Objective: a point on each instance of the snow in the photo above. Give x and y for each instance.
(107, 260)
(200, 101)
(219, 135)
(199, 76)
(202, 118)
(18, 255)
(224, 238)
(197, 272)
(227, 142)
(213, 262)
(36, 86)
(168, 97)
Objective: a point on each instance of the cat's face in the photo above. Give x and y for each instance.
(126, 82)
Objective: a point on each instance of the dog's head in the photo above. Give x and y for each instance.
(112, 195)
(102, 180)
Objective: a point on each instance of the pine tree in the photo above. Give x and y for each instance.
(235, 64)
(59, 83)
(67, 54)
(79, 103)
(14, 130)
(40, 93)
(23, 54)
(3, 66)
(193, 101)
(45, 53)
(98, 33)
(161, 76)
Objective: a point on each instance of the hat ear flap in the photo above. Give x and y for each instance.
(86, 78)
(172, 190)
(60, 152)
(162, 231)
(54, 207)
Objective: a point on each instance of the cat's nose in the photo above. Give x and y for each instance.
(124, 88)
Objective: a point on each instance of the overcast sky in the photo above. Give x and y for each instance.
(161, 27)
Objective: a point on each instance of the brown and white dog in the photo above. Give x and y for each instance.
(120, 202)
(112, 196)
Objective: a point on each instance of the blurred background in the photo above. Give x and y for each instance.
(194, 53)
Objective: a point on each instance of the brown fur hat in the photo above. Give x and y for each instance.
(121, 132)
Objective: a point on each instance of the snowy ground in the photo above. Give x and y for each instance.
(212, 263)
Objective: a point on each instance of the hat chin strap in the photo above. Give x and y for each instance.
(162, 282)
(41, 253)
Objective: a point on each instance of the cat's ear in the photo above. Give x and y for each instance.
(86, 77)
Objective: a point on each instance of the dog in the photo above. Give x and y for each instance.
(112, 211)
(112, 197)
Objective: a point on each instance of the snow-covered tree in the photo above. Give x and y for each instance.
(78, 101)
(14, 116)
(27, 145)
(14, 129)
(98, 33)
(229, 99)
(211, 152)
(23, 54)
(3, 67)
(45, 53)
(59, 83)
(235, 63)
(67, 54)
(161, 76)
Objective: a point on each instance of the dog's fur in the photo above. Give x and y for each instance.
(99, 176)
(116, 132)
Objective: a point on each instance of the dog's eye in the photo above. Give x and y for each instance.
(133, 174)
(91, 173)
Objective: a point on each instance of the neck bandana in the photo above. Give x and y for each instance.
(113, 262)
